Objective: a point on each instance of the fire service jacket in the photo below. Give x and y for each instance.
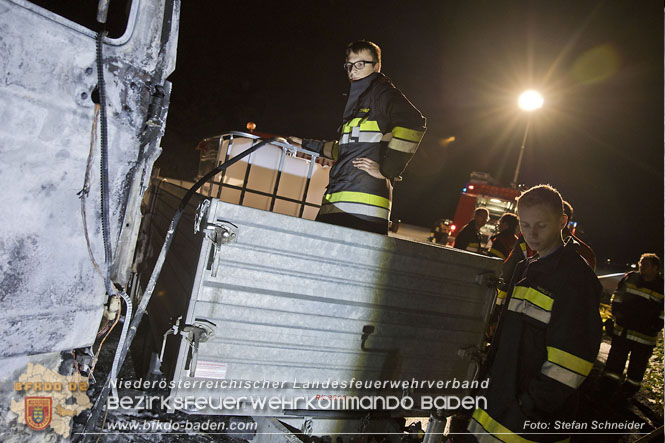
(381, 125)
(546, 343)
(637, 306)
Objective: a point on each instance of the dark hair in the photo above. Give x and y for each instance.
(652, 258)
(568, 210)
(510, 220)
(364, 45)
(541, 195)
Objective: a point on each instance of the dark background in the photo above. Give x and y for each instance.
(599, 64)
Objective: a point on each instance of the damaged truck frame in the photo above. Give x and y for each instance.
(260, 303)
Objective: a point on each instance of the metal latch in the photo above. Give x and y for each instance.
(488, 279)
(219, 233)
(200, 332)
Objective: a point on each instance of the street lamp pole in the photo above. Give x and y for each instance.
(529, 101)
(519, 159)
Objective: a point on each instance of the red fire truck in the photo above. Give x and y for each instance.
(482, 191)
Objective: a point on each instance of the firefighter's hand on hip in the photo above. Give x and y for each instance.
(369, 166)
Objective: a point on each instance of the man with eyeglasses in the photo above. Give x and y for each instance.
(380, 132)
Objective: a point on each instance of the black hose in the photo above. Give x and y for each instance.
(124, 347)
(104, 164)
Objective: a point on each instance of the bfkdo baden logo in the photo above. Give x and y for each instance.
(47, 401)
(38, 412)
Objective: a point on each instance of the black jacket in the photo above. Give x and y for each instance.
(546, 343)
(468, 238)
(381, 124)
(637, 306)
(502, 244)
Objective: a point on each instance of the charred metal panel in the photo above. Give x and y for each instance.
(295, 300)
(51, 297)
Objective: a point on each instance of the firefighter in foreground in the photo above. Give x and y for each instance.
(548, 336)
(380, 132)
(637, 307)
(469, 236)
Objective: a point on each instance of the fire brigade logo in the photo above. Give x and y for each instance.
(38, 412)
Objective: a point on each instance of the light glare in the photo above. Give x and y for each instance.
(531, 100)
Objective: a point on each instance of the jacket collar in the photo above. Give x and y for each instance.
(551, 262)
(355, 91)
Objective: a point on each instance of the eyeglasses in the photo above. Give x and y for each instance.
(360, 64)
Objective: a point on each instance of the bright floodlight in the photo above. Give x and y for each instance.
(531, 100)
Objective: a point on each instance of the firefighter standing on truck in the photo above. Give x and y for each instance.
(380, 132)
(637, 307)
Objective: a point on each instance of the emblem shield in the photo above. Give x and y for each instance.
(38, 412)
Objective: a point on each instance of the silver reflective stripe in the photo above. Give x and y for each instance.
(355, 208)
(612, 375)
(500, 301)
(639, 293)
(369, 137)
(563, 375)
(527, 308)
(631, 335)
(480, 433)
(403, 145)
(361, 137)
(634, 382)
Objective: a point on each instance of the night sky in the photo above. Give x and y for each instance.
(599, 65)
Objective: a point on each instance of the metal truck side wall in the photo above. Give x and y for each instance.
(51, 297)
(299, 301)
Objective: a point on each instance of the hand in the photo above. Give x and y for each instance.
(295, 141)
(369, 166)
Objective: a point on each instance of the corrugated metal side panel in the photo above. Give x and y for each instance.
(291, 299)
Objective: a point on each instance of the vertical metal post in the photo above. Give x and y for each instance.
(519, 159)
(279, 176)
(246, 179)
(307, 182)
(226, 158)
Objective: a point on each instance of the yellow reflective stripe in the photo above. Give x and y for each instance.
(407, 134)
(502, 294)
(402, 146)
(536, 297)
(569, 361)
(350, 124)
(358, 197)
(364, 125)
(356, 209)
(497, 253)
(370, 125)
(497, 429)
